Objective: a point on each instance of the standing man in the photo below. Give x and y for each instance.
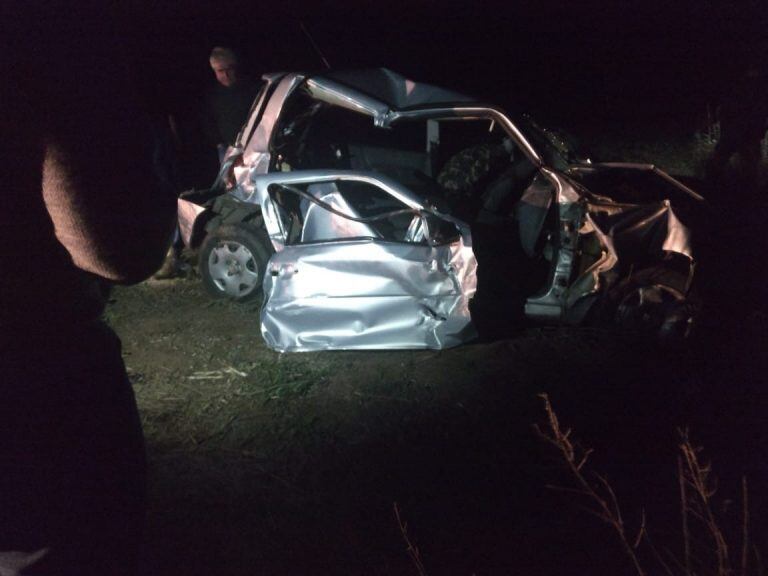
(84, 206)
(229, 101)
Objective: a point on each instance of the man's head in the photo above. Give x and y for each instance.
(224, 64)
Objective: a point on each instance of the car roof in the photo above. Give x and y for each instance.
(393, 89)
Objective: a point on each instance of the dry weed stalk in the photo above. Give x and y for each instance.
(744, 526)
(412, 550)
(697, 502)
(684, 517)
(598, 490)
(696, 491)
(697, 488)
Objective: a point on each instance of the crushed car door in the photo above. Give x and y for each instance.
(364, 270)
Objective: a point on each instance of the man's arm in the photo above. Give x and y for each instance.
(111, 212)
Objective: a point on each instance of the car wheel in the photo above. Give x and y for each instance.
(653, 303)
(232, 263)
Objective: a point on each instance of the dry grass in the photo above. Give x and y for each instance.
(411, 548)
(600, 497)
(707, 548)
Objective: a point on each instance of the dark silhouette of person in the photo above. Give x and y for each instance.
(228, 102)
(743, 121)
(83, 207)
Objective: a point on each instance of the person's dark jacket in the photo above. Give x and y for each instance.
(82, 203)
(82, 206)
(226, 109)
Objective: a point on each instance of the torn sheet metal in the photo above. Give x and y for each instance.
(187, 215)
(602, 233)
(627, 234)
(255, 142)
(640, 232)
(631, 203)
(274, 218)
(365, 294)
(391, 88)
(345, 285)
(352, 282)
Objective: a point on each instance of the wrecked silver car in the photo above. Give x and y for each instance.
(376, 212)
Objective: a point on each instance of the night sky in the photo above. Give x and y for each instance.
(571, 64)
(609, 60)
(568, 62)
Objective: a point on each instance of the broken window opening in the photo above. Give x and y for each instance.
(350, 209)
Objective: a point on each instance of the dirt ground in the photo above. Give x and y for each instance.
(262, 463)
(292, 464)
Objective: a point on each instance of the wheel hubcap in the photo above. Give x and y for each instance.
(233, 269)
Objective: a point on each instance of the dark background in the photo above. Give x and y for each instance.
(629, 65)
(571, 61)
(640, 68)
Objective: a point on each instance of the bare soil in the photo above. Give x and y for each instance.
(291, 464)
(262, 463)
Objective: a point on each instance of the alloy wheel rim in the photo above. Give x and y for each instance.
(233, 269)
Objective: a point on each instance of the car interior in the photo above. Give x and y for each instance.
(317, 135)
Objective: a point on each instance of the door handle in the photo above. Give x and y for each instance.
(285, 270)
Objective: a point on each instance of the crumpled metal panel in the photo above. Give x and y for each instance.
(273, 220)
(369, 294)
(392, 89)
(331, 92)
(187, 215)
(628, 234)
(348, 286)
(644, 230)
(259, 141)
(635, 219)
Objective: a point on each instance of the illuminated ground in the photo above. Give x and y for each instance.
(291, 464)
(294, 462)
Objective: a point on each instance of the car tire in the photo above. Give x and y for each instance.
(232, 263)
(654, 302)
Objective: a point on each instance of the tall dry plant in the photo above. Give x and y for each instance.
(412, 549)
(697, 490)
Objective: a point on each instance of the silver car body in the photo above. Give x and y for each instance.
(345, 286)
(364, 291)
